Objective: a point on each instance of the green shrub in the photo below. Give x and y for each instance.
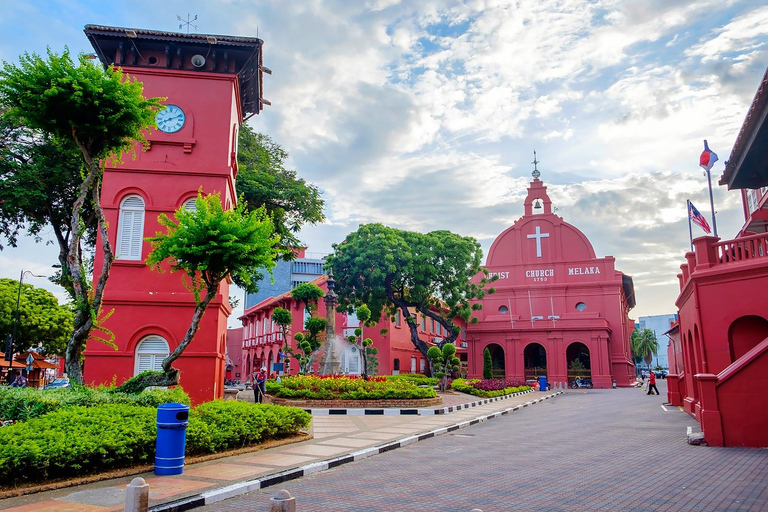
(417, 379)
(487, 364)
(77, 440)
(349, 388)
(80, 440)
(21, 404)
(465, 386)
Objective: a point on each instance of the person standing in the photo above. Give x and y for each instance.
(652, 383)
(259, 385)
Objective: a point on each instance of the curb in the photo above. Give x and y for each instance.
(223, 493)
(411, 411)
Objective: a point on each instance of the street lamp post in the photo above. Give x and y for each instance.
(11, 340)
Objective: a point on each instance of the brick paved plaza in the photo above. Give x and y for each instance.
(598, 450)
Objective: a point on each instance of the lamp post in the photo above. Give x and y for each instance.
(10, 341)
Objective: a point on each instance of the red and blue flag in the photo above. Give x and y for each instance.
(697, 218)
(708, 158)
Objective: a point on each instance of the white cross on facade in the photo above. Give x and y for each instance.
(538, 236)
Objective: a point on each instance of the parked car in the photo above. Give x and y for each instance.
(59, 383)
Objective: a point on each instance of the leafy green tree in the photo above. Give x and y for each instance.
(487, 364)
(283, 319)
(437, 274)
(41, 318)
(263, 180)
(309, 294)
(443, 361)
(102, 113)
(644, 344)
(210, 244)
(365, 345)
(308, 343)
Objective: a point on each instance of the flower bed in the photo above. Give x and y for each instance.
(80, 440)
(489, 388)
(21, 404)
(338, 387)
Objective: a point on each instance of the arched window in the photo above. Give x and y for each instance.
(150, 353)
(130, 228)
(351, 364)
(189, 204)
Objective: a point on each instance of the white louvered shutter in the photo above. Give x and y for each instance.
(189, 204)
(150, 354)
(130, 229)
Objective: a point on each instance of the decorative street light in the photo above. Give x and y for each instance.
(12, 339)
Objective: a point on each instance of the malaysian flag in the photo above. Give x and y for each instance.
(707, 158)
(697, 218)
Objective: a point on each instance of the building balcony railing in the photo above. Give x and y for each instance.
(712, 253)
(263, 339)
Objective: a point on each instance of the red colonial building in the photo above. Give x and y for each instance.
(722, 370)
(212, 84)
(262, 339)
(558, 310)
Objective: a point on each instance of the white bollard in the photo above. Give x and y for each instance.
(137, 496)
(282, 502)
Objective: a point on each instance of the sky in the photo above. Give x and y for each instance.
(424, 115)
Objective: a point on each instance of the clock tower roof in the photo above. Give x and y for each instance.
(235, 55)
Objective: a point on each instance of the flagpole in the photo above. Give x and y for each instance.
(690, 230)
(712, 203)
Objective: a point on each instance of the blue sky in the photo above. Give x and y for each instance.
(424, 115)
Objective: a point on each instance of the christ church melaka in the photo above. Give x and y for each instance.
(558, 310)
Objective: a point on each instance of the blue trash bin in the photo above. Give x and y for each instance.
(542, 383)
(172, 421)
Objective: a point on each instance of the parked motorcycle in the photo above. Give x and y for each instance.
(581, 383)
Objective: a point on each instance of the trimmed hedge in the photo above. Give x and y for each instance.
(344, 388)
(79, 440)
(21, 404)
(466, 386)
(415, 378)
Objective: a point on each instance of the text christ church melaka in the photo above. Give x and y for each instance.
(558, 310)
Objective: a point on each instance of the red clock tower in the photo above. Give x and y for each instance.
(212, 84)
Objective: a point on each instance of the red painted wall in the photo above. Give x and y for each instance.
(165, 174)
(546, 267)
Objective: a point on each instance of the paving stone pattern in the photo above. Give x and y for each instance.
(612, 450)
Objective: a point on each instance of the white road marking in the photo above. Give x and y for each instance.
(689, 431)
(667, 410)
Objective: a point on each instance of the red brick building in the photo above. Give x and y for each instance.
(212, 83)
(723, 311)
(558, 310)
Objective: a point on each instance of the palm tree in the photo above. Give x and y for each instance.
(644, 345)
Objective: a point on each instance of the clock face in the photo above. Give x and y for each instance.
(171, 119)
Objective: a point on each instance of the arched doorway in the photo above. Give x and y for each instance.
(535, 358)
(744, 335)
(579, 363)
(269, 363)
(497, 360)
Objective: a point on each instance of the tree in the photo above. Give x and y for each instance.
(437, 274)
(308, 343)
(283, 319)
(444, 361)
(365, 345)
(210, 244)
(102, 113)
(644, 344)
(42, 320)
(487, 364)
(309, 294)
(262, 180)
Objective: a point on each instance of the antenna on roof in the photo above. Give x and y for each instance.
(187, 22)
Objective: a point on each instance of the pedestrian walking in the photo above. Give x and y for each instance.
(652, 383)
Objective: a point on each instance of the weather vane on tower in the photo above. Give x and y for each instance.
(535, 162)
(187, 22)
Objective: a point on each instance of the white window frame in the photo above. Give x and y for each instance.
(149, 354)
(130, 229)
